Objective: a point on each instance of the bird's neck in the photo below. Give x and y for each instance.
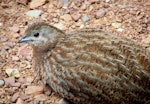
(39, 51)
(44, 47)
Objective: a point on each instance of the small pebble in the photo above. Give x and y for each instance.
(36, 3)
(64, 1)
(10, 81)
(1, 83)
(20, 101)
(100, 13)
(148, 29)
(55, 19)
(14, 29)
(85, 18)
(76, 16)
(15, 97)
(34, 13)
(34, 90)
(1, 24)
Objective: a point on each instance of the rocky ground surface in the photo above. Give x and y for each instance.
(18, 85)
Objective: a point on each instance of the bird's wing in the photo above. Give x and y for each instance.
(101, 63)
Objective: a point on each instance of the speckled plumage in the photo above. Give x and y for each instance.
(90, 66)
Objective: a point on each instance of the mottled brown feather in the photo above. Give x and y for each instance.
(90, 66)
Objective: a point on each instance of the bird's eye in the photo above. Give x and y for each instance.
(36, 34)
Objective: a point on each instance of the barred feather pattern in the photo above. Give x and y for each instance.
(90, 66)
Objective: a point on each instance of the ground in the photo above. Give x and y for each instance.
(18, 81)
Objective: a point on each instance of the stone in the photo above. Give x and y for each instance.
(34, 13)
(22, 80)
(76, 16)
(10, 44)
(24, 52)
(2, 82)
(17, 84)
(148, 29)
(14, 29)
(37, 3)
(34, 90)
(60, 26)
(20, 101)
(64, 1)
(15, 58)
(85, 18)
(15, 97)
(9, 81)
(66, 17)
(100, 13)
(116, 25)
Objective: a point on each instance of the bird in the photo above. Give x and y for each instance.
(89, 65)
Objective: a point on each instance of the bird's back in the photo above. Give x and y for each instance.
(90, 66)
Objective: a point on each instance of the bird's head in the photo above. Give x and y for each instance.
(39, 33)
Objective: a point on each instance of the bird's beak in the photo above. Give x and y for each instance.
(23, 39)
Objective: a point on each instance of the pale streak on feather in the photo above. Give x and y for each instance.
(59, 58)
(100, 67)
(66, 49)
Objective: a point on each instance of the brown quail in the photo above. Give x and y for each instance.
(90, 66)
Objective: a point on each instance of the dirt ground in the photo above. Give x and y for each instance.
(18, 84)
